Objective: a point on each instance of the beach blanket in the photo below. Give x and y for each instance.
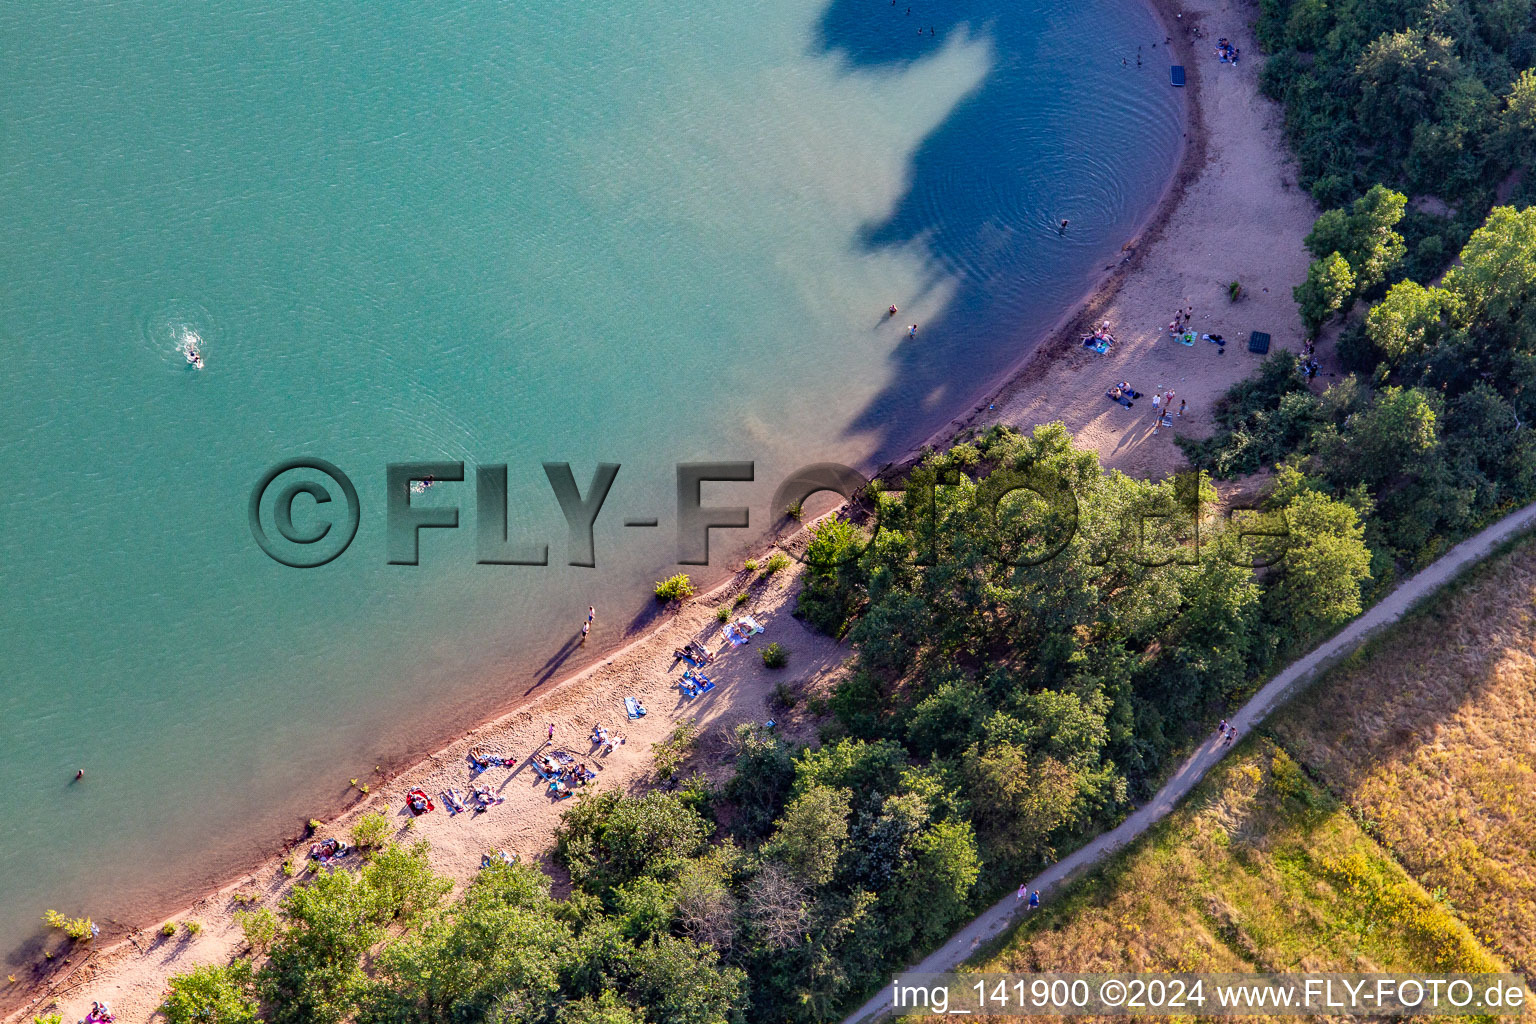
(698, 677)
(455, 801)
(1121, 399)
(736, 639)
(1187, 338)
(633, 707)
(752, 623)
(706, 686)
(1098, 345)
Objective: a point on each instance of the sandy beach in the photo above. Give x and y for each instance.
(1231, 212)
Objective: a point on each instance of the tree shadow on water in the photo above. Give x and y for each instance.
(1057, 128)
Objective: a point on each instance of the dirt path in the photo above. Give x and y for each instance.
(1001, 915)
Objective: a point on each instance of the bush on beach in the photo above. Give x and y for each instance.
(674, 588)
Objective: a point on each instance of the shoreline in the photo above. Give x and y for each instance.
(1029, 369)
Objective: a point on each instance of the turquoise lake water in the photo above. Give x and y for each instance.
(493, 233)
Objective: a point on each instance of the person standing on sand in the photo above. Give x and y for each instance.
(1182, 403)
(551, 732)
(586, 627)
(1157, 406)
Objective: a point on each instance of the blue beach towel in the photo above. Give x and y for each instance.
(1187, 338)
(706, 686)
(633, 708)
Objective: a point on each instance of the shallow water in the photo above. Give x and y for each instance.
(492, 234)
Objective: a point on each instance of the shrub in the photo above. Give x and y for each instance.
(1234, 291)
(48, 1018)
(192, 927)
(674, 588)
(212, 995)
(78, 928)
(670, 753)
(722, 613)
(784, 697)
(259, 927)
(740, 599)
(795, 511)
(168, 929)
(777, 562)
(372, 830)
(750, 565)
(288, 868)
(775, 655)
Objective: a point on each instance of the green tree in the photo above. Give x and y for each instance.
(1409, 321)
(810, 834)
(1330, 284)
(607, 840)
(212, 994)
(1326, 563)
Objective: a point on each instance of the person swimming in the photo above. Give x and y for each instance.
(892, 311)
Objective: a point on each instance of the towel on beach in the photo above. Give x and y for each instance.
(736, 639)
(1187, 338)
(706, 686)
(755, 626)
(454, 800)
(1098, 345)
(632, 707)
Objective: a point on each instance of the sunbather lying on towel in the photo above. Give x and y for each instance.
(485, 798)
(455, 801)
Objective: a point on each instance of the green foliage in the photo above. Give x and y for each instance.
(260, 928)
(775, 655)
(372, 830)
(77, 928)
(1326, 563)
(723, 613)
(193, 927)
(605, 840)
(674, 588)
(212, 995)
(1406, 93)
(313, 972)
(777, 562)
(1329, 286)
(168, 929)
(832, 587)
(750, 565)
(668, 755)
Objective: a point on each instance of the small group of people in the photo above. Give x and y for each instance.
(1227, 52)
(1100, 340)
(1162, 409)
(1033, 895)
(1227, 732)
(100, 1013)
(1124, 394)
(328, 850)
(602, 740)
(1180, 322)
(694, 653)
(1308, 365)
(694, 683)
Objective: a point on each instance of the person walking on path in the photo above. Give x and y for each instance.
(1034, 899)
(1023, 890)
(1222, 728)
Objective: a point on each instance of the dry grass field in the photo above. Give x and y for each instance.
(1260, 870)
(1430, 737)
